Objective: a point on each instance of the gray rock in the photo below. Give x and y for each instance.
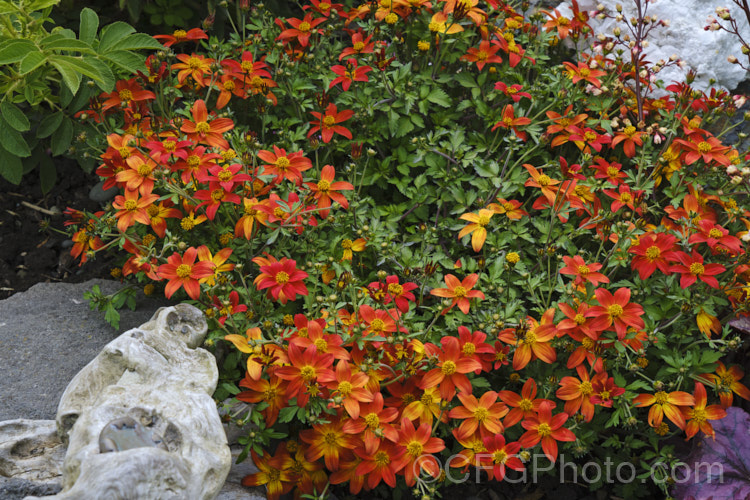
(18, 489)
(98, 193)
(47, 334)
(153, 377)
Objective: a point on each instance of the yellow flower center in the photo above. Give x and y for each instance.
(321, 345)
(612, 172)
(225, 175)
(704, 147)
(544, 430)
(586, 389)
(605, 395)
(130, 205)
(469, 348)
(217, 194)
(377, 325)
(697, 268)
(481, 414)
(124, 152)
(193, 161)
(279, 213)
(625, 197)
(395, 289)
(661, 397)
(282, 163)
(144, 170)
(358, 46)
(407, 398)
(459, 292)
(508, 206)
(345, 388)
(526, 405)
(482, 55)
(715, 233)
(270, 394)
(414, 448)
(530, 339)
(152, 211)
(187, 223)
(391, 18)
(372, 420)
(382, 459)
(629, 131)
(169, 146)
(583, 270)
(653, 252)
(543, 180)
(304, 27)
(615, 311)
(250, 211)
(282, 278)
(587, 343)
(183, 271)
(324, 6)
(228, 85)
(483, 220)
(329, 121)
(589, 136)
(426, 399)
(125, 95)
(579, 319)
(499, 456)
(202, 127)
(448, 368)
(307, 373)
(330, 438)
(324, 186)
(584, 72)
(194, 63)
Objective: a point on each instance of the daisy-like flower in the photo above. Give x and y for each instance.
(485, 54)
(326, 190)
(132, 208)
(497, 455)
(419, 445)
(301, 29)
(459, 291)
(201, 130)
(125, 93)
(352, 72)
(510, 208)
(183, 272)
(663, 403)
(359, 46)
(483, 414)
(582, 71)
(618, 310)
(630, 137)
(709, 150)
(653, 251)
(285, 165)
(693, 268)
(327, 124)
(728, 382)
(509, 120)
(698, 416)
(392, 290)
(350, 246)
(181, 35)
(477, 228)
(513, 91)
(583, 272)
(195, 66)
(282, 278)
(547, 429)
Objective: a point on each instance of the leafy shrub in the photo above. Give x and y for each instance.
(434, 234)
(41, 76)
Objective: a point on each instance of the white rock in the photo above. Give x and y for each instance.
(31, 450)
(147, 394)
(704, 51)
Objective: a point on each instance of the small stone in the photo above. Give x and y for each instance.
(99, 194)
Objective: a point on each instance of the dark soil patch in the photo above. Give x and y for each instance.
(31, 254)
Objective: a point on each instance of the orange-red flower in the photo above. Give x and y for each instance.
(584, 273)
(348, 387)
(727, 382)
(193, 65)
(692, 268)
(272, 472)
(183, 272)
(218, 262)
(359, 46)
(252, 215)
(132, 208)
(326, 190)
(618, 310)
(125, 93)
(452, 367)
(460, 291)
(629, 137)
(483, 414)
(282, 278)
(374, 422)
(272, 392)
(352, 72)
(328, 441)
(285, 165)
(548, 185)
(663, 403)
(522, 406)
(158, 215)
(547, 429)
(182, 36)
(534, 344)
(582, 71)
(306, 366)
(577, 392)
(380, 464)
(301, 29)
(207, 132)
(477, 228)
(698, 416)
(485, 54)
(419, 445)
(509, 120)
(709, 150)
(653, 251)
(510, 208)
(327, 123)
(497, 455)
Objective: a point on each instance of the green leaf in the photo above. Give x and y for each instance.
(15, 50)
(137, 41)
(128, 61)
(67, 44)
(107, 83)
(62, 137)
(81, 66)
(49, 125)
(230, 388)
(41, 4)
(112, 317)
(14, 116)
(12, 140)
(439, 97)
(70, 76)
(10, 167)
(88, 26)
(112, 34)
(7, 8)
(30, 62)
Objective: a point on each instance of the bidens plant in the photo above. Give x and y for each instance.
(429, 230)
